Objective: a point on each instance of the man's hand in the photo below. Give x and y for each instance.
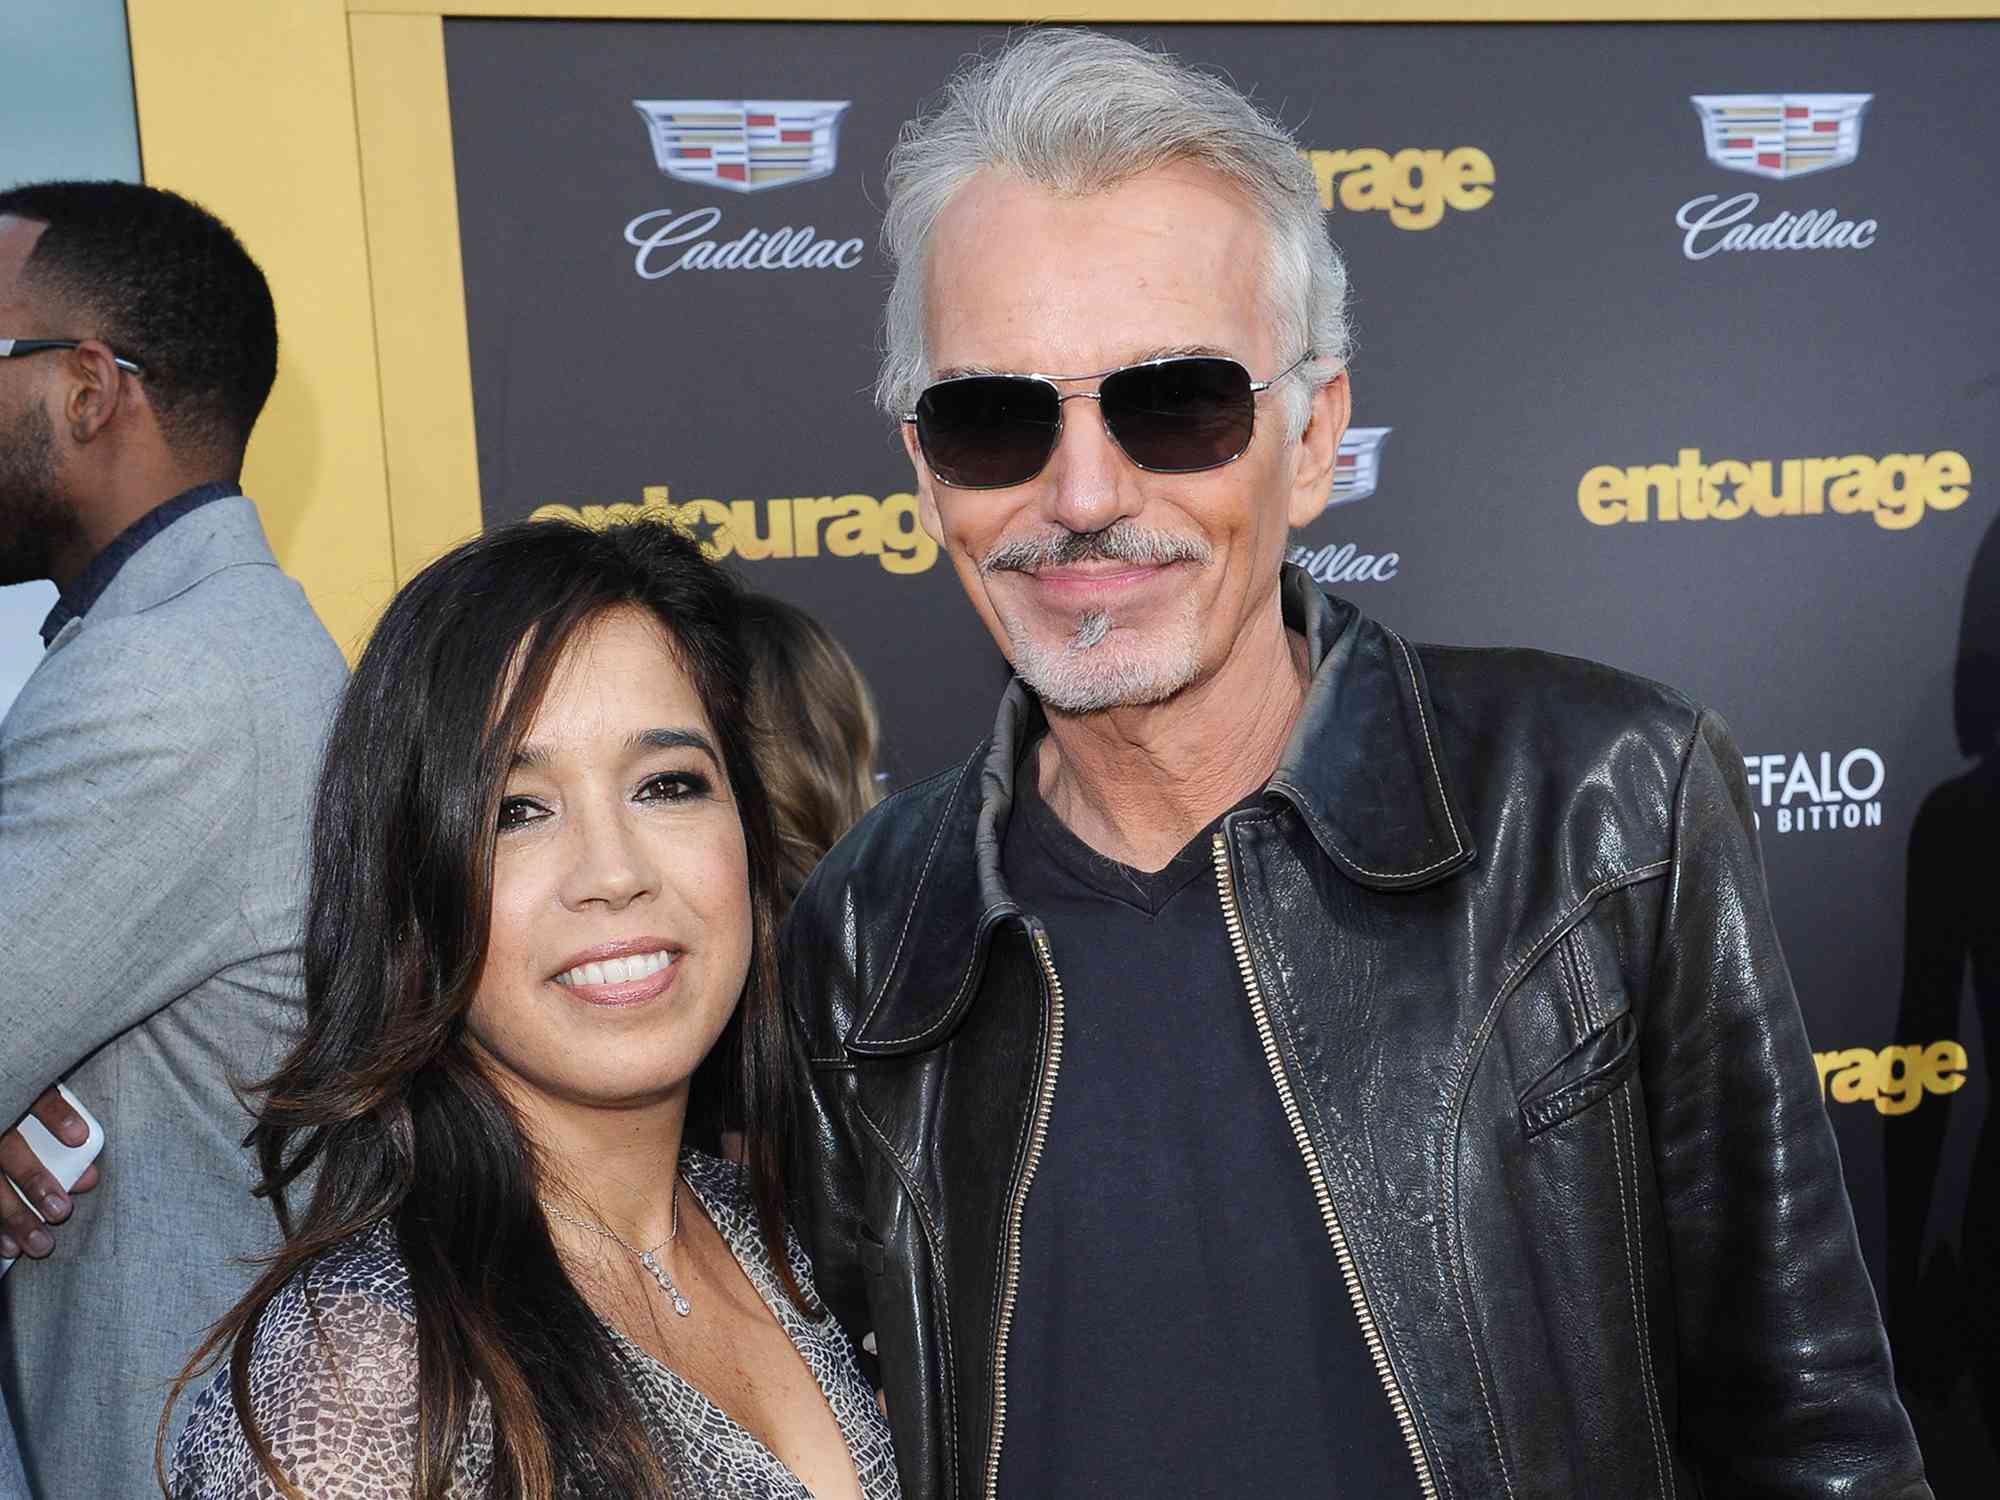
(20, 1230)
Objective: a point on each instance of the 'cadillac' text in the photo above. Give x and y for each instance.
(1345, 564)
(668, 242)
(1722, 221)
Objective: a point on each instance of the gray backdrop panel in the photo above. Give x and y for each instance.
(1509, 349)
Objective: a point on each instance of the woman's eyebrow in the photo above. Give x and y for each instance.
(531, 758)
(673, 739)
(538, 757)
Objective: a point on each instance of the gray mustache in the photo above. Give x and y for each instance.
(1119, 542)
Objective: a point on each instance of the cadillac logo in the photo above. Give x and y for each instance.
(1781, 135)
(1358, 465)
(744, 145)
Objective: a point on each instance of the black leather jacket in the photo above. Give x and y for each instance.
(1502, 925)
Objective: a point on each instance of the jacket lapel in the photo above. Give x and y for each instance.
(960, 900)
(1363, 767)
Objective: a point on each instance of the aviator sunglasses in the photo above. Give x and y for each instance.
(1177, 415)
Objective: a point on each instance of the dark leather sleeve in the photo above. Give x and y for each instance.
(824, 1174)
(1785, 1380)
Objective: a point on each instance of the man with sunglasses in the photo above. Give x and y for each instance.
(155, 784)
(1283, 1059)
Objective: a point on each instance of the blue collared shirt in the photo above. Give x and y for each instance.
(95, 579)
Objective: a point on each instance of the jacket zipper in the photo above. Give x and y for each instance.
(1225, 881)
(1038, 1134)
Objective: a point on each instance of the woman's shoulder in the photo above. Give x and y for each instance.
(332, 1385)
(351, 1304)
(355, 1294)
(365, 1270)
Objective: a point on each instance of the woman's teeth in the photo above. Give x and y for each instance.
(617, 970)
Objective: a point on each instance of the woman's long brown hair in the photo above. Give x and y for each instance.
(380, 1099)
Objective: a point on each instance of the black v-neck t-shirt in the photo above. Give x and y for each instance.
(1181, 1326)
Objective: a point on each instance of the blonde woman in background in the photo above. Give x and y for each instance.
(819, 732)
(817, 741)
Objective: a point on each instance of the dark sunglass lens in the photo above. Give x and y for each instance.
(1180, 415)
(985, 431)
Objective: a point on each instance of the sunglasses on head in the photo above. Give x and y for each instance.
(1178, 415)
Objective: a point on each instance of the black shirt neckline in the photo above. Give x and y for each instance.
(1143, 890)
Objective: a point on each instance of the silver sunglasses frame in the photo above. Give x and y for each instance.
(1257, 388)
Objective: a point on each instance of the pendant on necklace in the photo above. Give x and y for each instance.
(652, 1263)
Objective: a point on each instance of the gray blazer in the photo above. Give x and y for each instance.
(156, 776)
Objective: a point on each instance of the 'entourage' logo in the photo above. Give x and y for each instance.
(1898, 490)
(836, 526)
(1895, 1079)
(1413, 187)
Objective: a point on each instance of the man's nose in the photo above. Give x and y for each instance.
(1091, 483)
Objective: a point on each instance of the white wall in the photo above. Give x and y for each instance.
(22, 610)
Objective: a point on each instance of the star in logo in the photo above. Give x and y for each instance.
(703, 529)
(1725, 490)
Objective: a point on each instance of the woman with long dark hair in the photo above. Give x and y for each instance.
(544, 883)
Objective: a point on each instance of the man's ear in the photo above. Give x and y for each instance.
(927, 509)
(1318, 450)
(97, 390)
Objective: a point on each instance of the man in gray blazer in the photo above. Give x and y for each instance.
(156, 775)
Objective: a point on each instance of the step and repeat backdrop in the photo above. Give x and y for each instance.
(1679, 348)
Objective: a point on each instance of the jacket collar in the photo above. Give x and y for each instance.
(224, 533)
(1363, 769)
(1364, 766)
(77, 599)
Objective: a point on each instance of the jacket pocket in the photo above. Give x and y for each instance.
(1591, 1072)
(874, 1254)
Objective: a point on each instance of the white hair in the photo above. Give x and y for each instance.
(1077, 113)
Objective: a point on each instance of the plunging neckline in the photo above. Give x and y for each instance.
(700, 1172)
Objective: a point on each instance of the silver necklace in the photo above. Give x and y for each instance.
(650, 1259)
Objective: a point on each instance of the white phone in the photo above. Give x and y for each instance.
(65, 1163)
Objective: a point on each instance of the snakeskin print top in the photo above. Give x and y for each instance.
(337, 1401)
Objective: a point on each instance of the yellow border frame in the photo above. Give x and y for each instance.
(321, 131)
